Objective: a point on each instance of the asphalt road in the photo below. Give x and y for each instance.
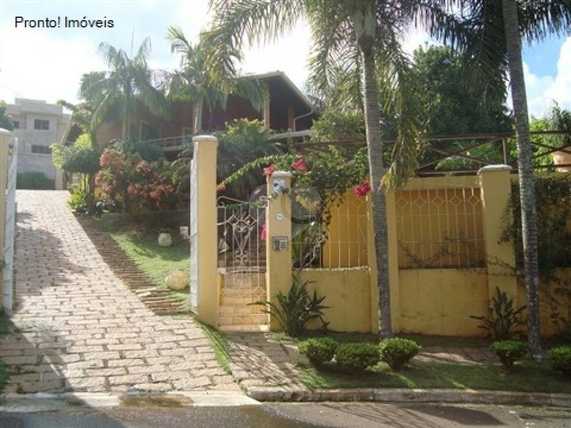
(362, 415)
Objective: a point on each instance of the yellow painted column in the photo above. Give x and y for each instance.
(393, 265)
(495, 188)
(5, 139)
(204, 261)
(278, 235)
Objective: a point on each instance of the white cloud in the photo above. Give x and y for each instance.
(44, 66)
(289, 54)
(543, 90)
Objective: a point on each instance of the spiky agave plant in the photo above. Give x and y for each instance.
(296, 308)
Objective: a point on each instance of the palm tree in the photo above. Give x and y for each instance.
(194, 82)
(128, 81)
(492, 34)
(362, 35)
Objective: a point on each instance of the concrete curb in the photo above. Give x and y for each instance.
(38, 402)
(409, 396)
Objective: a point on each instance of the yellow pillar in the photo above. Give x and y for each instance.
(278, 244)
(5, 139)
(495, 188)
(204, 254)
(390, 198)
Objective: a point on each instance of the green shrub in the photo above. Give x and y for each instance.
(357, 356)
(34, 181)
(296, 308)
(561, 359)
(78, 200)
(396, 351)
(503, 317)
(318, 350)
(509, 351)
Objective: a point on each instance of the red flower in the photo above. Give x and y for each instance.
(269, 170)
(362, 189)
(300, 165)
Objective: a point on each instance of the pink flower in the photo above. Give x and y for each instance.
(362, 189)
(263, 232)
(300, 165)
(269, 170)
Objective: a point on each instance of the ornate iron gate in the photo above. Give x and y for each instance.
(242, 243)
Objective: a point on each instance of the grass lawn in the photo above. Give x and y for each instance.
(155, 261)
(526, 377)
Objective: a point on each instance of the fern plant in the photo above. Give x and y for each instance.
(503, 318)
(296, 308)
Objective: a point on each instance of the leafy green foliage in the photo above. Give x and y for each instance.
(146, 150)
(397, 351)
(561, 359)
(126, 84)
(334, 125)
(356, 356)
(296, 308)
(319, 350)
(80, 158)
(456, 102)
(34, 181)
(553, 204)
(503, 318)
(5, 121)
(509, 351)
(241, 142)
(78, 200)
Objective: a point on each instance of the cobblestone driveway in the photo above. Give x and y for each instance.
(77, 327)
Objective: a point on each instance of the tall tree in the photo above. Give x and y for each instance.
(5, 121)
(127, 82)
(194, 82)
(525, 171)
(362, 35)
(492, 32)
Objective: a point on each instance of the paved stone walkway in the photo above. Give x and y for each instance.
(78, 328)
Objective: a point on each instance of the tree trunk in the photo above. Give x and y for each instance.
(365, 25)
(125, 131)
(197, 116)
(525, 171)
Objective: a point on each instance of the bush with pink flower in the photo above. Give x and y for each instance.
(135, 184)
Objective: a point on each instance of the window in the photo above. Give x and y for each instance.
(42, 150)
(16, 124)
(41, 124)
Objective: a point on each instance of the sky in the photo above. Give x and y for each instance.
(48, 63)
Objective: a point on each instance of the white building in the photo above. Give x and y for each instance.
(38, 125)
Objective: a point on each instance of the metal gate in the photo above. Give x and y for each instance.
(10, 229)
(242, 245)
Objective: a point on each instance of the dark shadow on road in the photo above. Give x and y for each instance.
(460, 415)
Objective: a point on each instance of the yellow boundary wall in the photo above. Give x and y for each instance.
(436, 301)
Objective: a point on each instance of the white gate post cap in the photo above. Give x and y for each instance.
(204, 139)
(5, 132)
(494, 168)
